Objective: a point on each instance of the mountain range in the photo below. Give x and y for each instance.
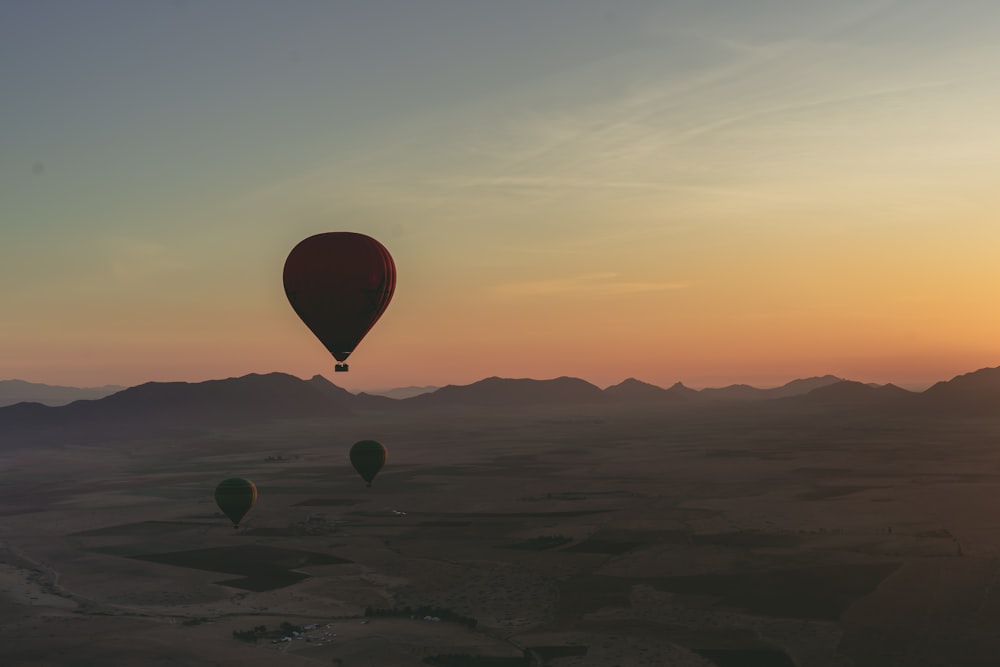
(17, 391)
(175, 408)
(403, 392)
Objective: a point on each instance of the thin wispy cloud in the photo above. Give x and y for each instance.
(632, 141)
(588, 285)
(627, 141)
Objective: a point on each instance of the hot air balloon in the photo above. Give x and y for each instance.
(368, 457)
(235, 497)
(339, 283)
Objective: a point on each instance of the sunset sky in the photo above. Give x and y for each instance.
(710, 191)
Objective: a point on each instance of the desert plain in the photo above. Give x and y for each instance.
(772, 534)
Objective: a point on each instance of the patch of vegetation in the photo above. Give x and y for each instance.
(939, 534)
(821, 593)
(261, 632)
(540, 543)
(325, 502)
(468, 660)
(560, 495)
(546, 653)
(599, 546)
(262, 567)
(750, 539)
(586, 593)
(250, 636)
(264, 582)
(147, 528)
(420, 612)
(741, 658)
(828, 492)
(450, 524)
(194, 621)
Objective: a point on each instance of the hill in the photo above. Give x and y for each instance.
(972, 393)
(165, 408)
(19, 391)
(157, 409)
(496, 391)
(636, 390)
(744, 392)
(850, 393)
(402, 392)
(348, 401)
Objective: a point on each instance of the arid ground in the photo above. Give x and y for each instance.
(751, 534)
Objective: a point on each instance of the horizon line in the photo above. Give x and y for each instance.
(915, 387)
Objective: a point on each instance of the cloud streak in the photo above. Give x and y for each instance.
(588, 285)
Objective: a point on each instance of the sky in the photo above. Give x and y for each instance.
(705, 191)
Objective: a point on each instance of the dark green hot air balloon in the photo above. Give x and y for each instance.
(368, 457)
(235, 497)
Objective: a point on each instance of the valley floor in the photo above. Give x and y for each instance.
(620, 537)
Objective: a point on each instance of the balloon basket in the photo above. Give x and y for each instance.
(340, 368)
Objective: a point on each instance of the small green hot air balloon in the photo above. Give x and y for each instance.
(235, 497)
(368, 457)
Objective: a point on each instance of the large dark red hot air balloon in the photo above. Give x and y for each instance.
(339, 283)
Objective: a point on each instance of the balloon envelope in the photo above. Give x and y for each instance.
(339, 283)
(368, 457)
(235, 497)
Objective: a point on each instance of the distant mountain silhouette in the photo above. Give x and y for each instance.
(680, 390)
(158, 409)
(848, 392)
(894, 390)
(345, 399)
(19, 391)
(804, 386)
(972, 393)
(402, 392)
(496, 391)
(165, 408)
(744, 392)
(733, 392)
(636, 390)
(336, 395)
